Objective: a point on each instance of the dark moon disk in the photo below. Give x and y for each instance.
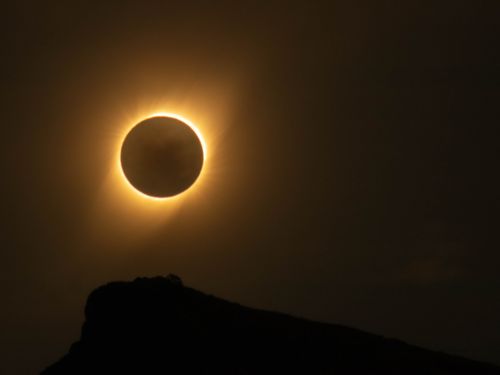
(161, 156)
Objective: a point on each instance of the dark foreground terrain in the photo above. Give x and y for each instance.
(158, 326)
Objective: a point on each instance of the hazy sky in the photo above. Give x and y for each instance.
(352, 171)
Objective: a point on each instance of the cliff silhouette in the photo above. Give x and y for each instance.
(159, 326)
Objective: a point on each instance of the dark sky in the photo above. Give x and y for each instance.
(352, 173)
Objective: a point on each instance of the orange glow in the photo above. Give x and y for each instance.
(119, 212)
(129, 194)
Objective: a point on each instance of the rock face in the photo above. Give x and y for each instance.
(158, 326)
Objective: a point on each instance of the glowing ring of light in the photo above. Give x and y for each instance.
(176, 117)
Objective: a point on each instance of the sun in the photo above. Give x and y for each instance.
(161, 156)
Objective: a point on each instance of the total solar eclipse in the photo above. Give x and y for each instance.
(162, 156)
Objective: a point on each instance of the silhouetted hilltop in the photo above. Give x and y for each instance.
(158, 326)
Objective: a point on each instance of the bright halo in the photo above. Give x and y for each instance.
(200, 141)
